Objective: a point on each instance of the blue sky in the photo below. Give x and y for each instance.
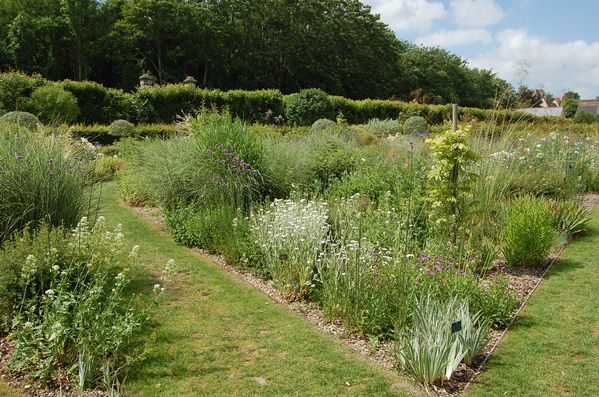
(551, 44)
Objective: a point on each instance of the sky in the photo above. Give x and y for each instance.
(550, 44)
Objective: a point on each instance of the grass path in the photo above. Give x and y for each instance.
(219, 337)
(553, 348)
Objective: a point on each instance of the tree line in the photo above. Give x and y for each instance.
(336, 45)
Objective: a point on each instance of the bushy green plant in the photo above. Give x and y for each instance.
(362, 285)
(332, 155)
(290, 235)
(121, 128)
(307, 106)
(73, 318)
(54, 105)
(528, 233)
(44, 179)
(415, 125)
(322, 125)
(384, 127)
(105, 168)
(571, 218)
(135, 188)
(22, 119)
(218, 228)
(583, 117)
(16, 88)
(450, 181)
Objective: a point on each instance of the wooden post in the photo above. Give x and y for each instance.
(454, 117)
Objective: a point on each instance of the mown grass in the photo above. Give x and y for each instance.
(216, 336)
(553, 348)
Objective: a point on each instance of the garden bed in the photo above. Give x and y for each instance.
(521, 280)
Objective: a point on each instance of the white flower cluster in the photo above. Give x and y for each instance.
(290, 235)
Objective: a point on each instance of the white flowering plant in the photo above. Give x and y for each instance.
(73, 318)
(290, 234)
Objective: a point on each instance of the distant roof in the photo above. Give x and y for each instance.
(543, 111)
(588, 105)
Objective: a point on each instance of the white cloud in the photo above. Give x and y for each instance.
(476, 13)
(557, 66)
(402, 15)
(454, 38)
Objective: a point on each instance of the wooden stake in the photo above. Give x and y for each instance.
(454, 117)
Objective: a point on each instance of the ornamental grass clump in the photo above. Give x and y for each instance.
(290, 235)
(42, 179)
(528, 232)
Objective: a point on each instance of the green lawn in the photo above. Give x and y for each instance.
(553, 348)
(216, 336)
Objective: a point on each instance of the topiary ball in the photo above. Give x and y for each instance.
(416, 125)
(307, 106)
(322, 125)
(22, 119)
(121, 128)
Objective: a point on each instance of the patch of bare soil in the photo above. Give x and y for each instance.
(589, 200)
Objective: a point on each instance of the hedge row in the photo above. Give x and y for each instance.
(359, 112)
(101, 133)
(158, 104)
(164, 104)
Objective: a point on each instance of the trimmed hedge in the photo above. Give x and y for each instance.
(101, 133)
(163, 104)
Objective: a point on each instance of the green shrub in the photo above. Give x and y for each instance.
(69, 293)
(332, 156)
(528, 234)
(121, 128)
(307, 106)
(415, 125)
(583, 117)
(381, 128)
(21, 119)
(54, 105)
(44, 179)
(101, 105)
(16, 88)
(571, 218)
(135, 189)
(322, 125)
(105, 168)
